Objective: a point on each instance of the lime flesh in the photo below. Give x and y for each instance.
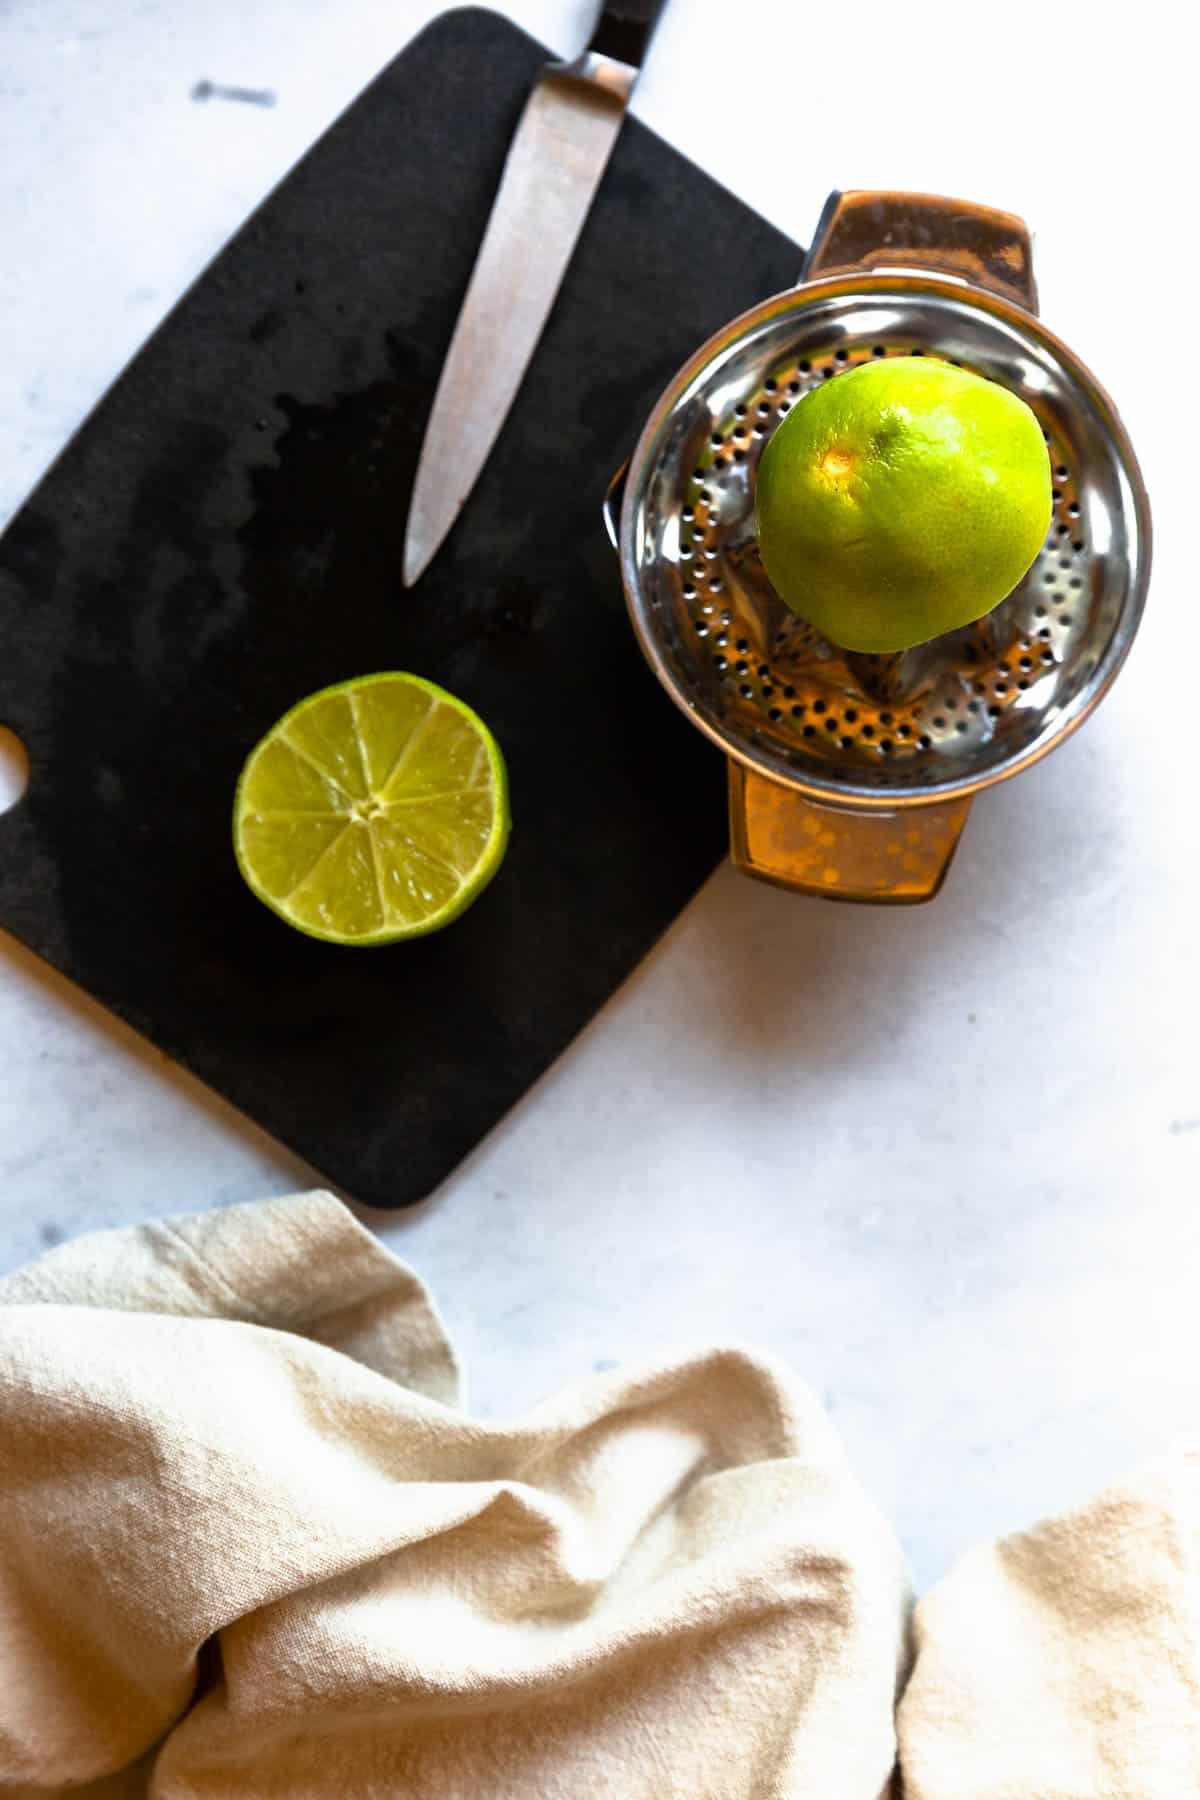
(373, 811)
(901, 500)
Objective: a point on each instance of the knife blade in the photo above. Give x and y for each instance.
(554, 166)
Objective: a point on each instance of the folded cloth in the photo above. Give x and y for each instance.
(249, 1547)
(1064, 1663)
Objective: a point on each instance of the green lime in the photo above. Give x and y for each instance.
(902, 499)
(374, 810)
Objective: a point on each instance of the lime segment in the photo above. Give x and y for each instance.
(324, 734)
(373, 811)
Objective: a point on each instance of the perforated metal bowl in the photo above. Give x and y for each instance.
(852, 776)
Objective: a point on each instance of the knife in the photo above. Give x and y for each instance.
(557, 157)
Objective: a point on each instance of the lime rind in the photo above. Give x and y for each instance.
(389, 837)
(905, 499)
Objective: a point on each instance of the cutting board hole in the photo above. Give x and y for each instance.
(14, 769)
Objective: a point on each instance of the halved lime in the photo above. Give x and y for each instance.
(373, 811)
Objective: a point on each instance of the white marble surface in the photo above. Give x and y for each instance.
(945, 1160)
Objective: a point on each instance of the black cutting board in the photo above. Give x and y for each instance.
(223, 536)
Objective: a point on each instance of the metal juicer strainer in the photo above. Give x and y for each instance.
(851, 775)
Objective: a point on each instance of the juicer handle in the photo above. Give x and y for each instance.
(864, 229)
(895, 858)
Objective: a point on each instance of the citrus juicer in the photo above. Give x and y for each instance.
(850, 775)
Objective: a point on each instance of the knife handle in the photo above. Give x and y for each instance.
(624, 29)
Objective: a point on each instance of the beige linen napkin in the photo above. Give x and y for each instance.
(247, 1538)
(1064, 1663)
